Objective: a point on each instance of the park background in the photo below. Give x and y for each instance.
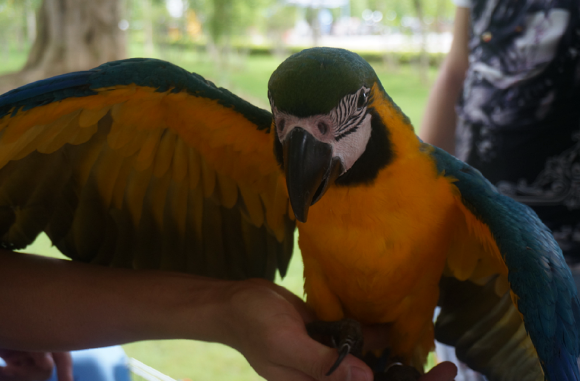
(236, 44)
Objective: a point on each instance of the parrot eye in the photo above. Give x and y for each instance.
(362, 100)
(281, 124)
(322, 127)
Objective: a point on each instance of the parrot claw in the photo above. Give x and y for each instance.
(345, 334)
(342, 352)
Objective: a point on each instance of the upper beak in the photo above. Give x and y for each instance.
(310, 169)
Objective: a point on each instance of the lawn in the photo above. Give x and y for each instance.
(248, 77)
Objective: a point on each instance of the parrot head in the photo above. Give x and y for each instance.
(326, 130)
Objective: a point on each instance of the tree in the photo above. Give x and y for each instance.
(314, 22)
(280, 18)
(71, 35)
(17, 25)
(227, 23)
(423, 56)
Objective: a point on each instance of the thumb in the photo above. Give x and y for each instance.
(445, 371)
(355, 369)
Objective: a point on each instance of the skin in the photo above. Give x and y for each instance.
(438, 125)
(263, 321)
(32, 366)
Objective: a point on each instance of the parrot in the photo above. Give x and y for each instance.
(141, 164)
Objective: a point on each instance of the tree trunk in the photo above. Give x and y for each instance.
(30, 22)
(423, 56)
(440, 15)
(314, 22)
(220, 27)
(71, 35)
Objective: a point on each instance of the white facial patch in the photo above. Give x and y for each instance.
(347, 128)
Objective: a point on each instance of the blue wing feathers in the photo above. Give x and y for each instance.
(45, 91)
(562, 368)
(160, 75)
(538, 274)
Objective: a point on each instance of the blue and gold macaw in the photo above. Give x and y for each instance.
(138, 163)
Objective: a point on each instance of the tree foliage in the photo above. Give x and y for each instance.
(222, 23)
(397, 12)
(227, 18)
(16, 17)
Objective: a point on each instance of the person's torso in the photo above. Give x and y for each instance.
(519, 113)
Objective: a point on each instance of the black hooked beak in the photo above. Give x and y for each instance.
(310, 169)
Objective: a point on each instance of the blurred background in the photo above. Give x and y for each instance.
(236, 44)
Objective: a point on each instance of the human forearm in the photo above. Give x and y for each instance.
(50, 305)
(438, 124)
(53, 305)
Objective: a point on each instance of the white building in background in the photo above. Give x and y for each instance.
(360, 32)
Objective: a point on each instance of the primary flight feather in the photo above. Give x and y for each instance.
(138, 163)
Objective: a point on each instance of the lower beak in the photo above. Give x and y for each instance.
(310, 169)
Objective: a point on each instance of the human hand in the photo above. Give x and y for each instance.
(267, 327)
(35, 366)
(445, 371)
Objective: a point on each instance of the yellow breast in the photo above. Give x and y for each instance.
(371, 251)
(375, 246)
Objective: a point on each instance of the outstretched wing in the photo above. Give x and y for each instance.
(138, 163)
(501, 236)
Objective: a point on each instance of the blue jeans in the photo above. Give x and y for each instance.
(98, 364)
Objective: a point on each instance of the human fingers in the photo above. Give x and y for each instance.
(26, 366)
(64, 367)
(445, 371)
(270, 332)
(297, 351)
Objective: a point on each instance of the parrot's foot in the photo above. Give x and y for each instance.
(345, 335)
(398, 372)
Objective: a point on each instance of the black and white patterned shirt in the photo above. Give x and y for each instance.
(519, 112)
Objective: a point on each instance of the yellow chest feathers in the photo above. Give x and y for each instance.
(371, 247)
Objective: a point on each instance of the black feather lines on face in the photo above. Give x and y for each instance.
(376, 156)
(350, 113)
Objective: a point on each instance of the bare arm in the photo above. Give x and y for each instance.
(438, 124)
(55, 305)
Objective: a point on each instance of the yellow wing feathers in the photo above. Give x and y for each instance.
(473, 252)
(477, 314)
(149, 171)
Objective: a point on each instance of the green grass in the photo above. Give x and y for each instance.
(248, 77)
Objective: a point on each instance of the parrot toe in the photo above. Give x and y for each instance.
(345, 335)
